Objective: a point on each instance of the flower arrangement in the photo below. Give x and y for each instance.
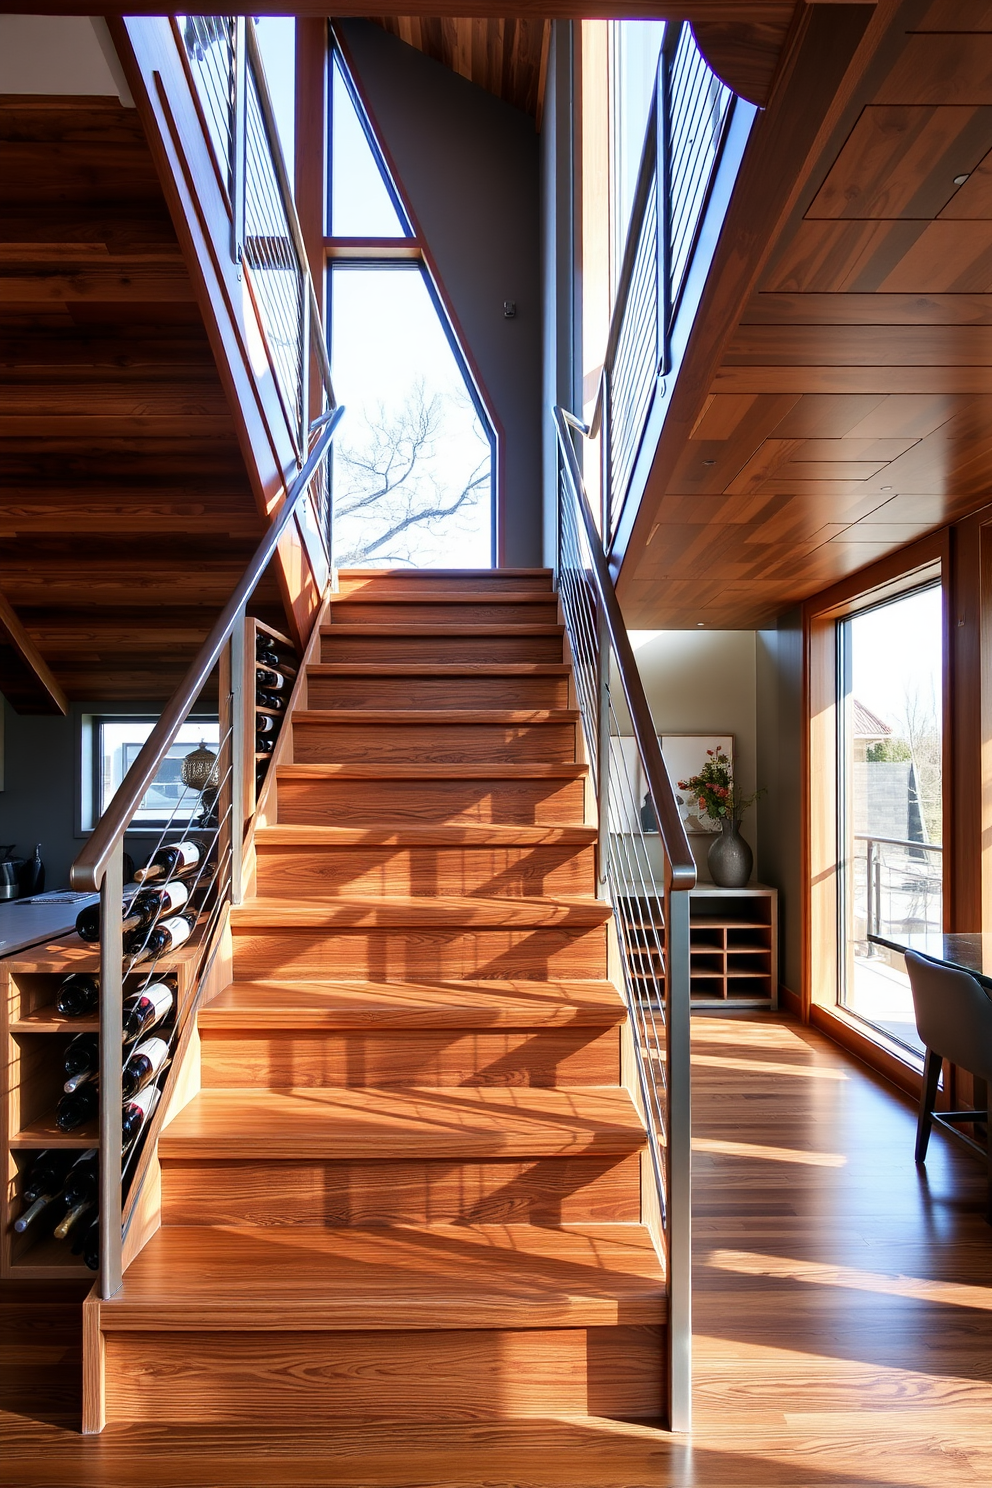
(714, 789)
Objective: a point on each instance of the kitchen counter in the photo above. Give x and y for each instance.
(26, 923)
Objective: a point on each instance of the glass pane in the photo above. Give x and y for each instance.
(361, 204)
(120, 744)
(891, 792)
(277, 43)
(412, 462)
(635, 47)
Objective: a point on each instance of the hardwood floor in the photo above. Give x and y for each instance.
(843, 1319)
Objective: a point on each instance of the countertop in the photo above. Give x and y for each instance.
(25, 922)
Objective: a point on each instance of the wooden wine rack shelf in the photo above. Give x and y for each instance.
(733, 945)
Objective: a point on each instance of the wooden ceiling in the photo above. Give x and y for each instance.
(126, 514)
(507, 57)
(845, 407)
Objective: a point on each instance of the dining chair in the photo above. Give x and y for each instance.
(954, 1020)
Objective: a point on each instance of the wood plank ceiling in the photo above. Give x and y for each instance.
(126, 514)
(851, 409)
(506, 57)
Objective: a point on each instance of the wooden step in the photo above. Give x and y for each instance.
(534, 643)
(389, 1057)
(475, 581)
(389, 1124)
(375, 685)
(417, 737)
(423, 952)
(533, 792)
(453, 610)
(588, 1189)
(190, 1279)
(356, 913)
(338, 1004)
(305, 863)
(462, 835)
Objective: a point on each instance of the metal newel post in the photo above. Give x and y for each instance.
(111, 1096)
(239, 747)
(678, 1205)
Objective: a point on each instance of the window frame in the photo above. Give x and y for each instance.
(90, 775)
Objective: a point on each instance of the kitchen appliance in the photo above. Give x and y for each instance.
(10, 873)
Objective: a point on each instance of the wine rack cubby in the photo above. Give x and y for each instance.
(733, 945)
(35, 1037)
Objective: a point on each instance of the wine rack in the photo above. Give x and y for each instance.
(35, 1037)
(259, 634)
(733, 945)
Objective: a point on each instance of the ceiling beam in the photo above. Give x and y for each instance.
(718, 11)
(25, 679)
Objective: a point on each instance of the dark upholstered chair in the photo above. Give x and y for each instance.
(954, 1020)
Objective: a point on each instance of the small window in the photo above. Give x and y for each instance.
(117, 743)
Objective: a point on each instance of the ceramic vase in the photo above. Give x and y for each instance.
(729, 859)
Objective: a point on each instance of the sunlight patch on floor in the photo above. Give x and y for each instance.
(815, 1273)
(769, 1154)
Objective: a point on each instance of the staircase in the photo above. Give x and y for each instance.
(409, 1186)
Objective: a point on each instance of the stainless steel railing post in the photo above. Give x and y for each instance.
(111, 1097)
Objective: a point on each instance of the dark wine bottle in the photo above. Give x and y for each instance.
(269, 700)
(168, 935)
(269, 680)
(78, 1107)
(82, 1060)
(33, 875)
(83, 1181)
(88, 1246)
(137, 1111)
(265, 724)
(88, 922)
(79, 994)
(72, 1217)
(46, 1174)
(147, 1009)
(34, 1211)
(151, 904)
(264, 746)
(178, 860)
(143, 1065)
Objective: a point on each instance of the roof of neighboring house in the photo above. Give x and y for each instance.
(867, 725)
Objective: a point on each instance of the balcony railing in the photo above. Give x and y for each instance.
(693, 115)
(897, 887)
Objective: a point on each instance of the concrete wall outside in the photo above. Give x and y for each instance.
(468, 166)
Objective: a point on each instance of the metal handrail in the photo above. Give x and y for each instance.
(88, 870)
(898, 842)
(680, 864)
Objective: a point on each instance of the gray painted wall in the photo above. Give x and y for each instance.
(468, 167)
(779, 672)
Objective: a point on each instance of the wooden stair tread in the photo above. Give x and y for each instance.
(448, 596)
(362, 1005)
(447, 632)
(450, 909)
(368, 1124)
(437, 669)
(387, 770)
(404, 1276)
(468, 834)
(431, 575)
(435, 716)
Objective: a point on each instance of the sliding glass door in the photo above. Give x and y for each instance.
(890, 820)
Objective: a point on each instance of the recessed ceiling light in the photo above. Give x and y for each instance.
(960, 180)
(709, 462)
(886, 488)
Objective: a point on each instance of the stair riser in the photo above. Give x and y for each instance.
(543, 803)
(411, 954)
(541, 1191)
(437, 692)
(459, 1376)
(518, 872)
(300, 1059)
(432, 743)
(406, 581)
(432, 650)
(455, 616)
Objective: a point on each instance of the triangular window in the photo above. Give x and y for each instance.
(363, 201)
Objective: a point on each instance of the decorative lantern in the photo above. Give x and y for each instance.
(199, 769)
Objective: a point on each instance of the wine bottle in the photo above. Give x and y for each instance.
(151, 904)
(87, 1244)
(88, 922)
(143, 1064)
(78, 994)
(137, 1111)
(33, 875)
(149, 1006)
(264, 724)
(78, 1107)
(83, 1181)
(82, 1060)
(269, 680)
(72, 1217)
(269, 700)
(46, 1174)
(34, 1211)
(168, 935)
(179, 859)
(264, 746)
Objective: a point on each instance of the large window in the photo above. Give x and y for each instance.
(889, 670)
(635, 47)
(116, 743)
(414, 460)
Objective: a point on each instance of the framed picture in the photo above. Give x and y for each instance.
(685, 755)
